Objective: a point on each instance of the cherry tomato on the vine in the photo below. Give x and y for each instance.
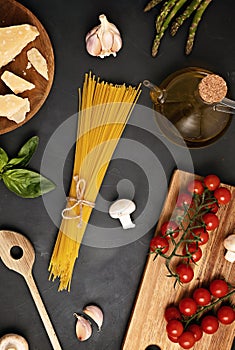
(210, 324)
(174, 328)
(195, 186)
(211, 205)
(212, 182)
(185, 273)
(211, 221)
(194, 250)
(172, 313)
(219, 288)
(223, 195)
(173, 339)
(202, 296)
(186, 340)
(200, 233)
(226, 314)
(196, 330)
(184, 200)
(159, 243)
(170, 229)
(187, 306)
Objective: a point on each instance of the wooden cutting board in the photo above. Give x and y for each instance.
(147, 324)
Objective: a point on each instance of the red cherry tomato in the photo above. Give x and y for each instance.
(186, 340)
(211, 221)
(174, 328)
(223, 195)
(226, 314)
(210, 324)
(212, 182)
(172, 313)
(196, 186)
(196, 330)
(173, 339)
(187, 306)
(202, 296)
(184, 200)
(170, 229)
(159, 244)
(194, 250)
(218, 288)
(200, 233)
(185, 273)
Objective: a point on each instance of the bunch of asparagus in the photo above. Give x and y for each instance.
(168, 13)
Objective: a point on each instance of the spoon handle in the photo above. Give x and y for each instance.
(42, 312)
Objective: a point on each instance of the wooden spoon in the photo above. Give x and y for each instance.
(23, 264)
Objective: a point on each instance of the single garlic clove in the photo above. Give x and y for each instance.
(117, 43)
(95, 313)
(91, 32)
(83, 328)
(114, 28)
(93, 45)
(107, 40)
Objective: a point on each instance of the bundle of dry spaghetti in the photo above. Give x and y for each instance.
(104, 110)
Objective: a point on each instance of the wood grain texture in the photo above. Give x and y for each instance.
(23, 265)
(13, 13)
(147, 324)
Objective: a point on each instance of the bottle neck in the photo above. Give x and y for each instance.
(157, 94)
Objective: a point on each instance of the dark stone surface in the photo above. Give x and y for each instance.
(107, 277)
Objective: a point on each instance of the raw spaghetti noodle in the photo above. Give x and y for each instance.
(104, 110)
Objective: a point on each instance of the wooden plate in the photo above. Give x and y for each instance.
(13, 13)
(147, 324)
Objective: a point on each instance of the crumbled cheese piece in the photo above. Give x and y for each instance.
(14, 107)
(13, 39)
(16, 83)
(38, 62)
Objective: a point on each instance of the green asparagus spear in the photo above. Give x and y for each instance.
(186, 14)
(195, 22)
(152, 4)
(165, 25)
(167, 7)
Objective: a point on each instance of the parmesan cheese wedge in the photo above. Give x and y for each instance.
(13, 39)
(16, 83)
(38, 62)
(14, 107)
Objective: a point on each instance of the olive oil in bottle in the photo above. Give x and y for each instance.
(182, 112)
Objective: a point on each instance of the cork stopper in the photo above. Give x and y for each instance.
(212, 88)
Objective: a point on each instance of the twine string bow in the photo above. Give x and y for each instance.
(79, 201)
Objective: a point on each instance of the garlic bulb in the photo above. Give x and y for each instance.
(83, 328)
(104, 39)
(95, 313)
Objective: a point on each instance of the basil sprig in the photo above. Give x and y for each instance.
(23, 182)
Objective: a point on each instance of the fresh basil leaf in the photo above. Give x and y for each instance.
(26, 183)
(3, 158)
(25, 153)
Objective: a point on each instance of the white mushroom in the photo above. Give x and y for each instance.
(13, 341)
(229, 244)
(121, 209)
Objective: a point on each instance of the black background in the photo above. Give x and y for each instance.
(108, 277)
